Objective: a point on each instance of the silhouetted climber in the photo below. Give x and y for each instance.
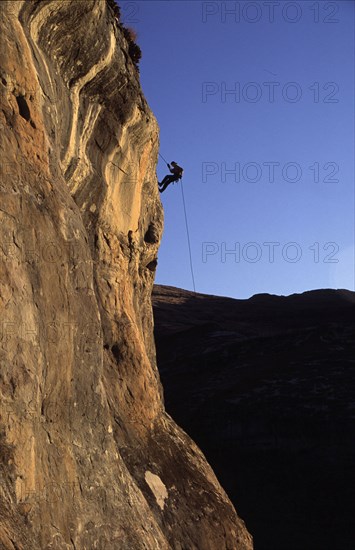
(176, 172)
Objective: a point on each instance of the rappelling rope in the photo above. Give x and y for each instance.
(163, 158)
(188, 237)
(187, 229)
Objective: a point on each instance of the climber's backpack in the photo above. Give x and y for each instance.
(179, 171)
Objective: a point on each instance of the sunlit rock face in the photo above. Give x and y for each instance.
(88, 457)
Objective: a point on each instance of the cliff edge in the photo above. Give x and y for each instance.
(88, 456)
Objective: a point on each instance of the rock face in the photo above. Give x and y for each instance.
(266, 387)
(88, 457)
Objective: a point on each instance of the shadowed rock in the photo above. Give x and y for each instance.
(266, 388)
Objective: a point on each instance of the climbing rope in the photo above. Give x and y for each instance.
(188, 237)
(163, 158)
(187, 229)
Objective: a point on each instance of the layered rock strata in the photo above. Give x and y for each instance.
(89, 458)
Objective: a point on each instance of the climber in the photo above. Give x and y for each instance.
(176, 172)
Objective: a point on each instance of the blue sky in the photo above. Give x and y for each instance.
(285, 133)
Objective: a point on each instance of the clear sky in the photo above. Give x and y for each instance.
(255, 99)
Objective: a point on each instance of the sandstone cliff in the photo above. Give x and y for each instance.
(88, 457)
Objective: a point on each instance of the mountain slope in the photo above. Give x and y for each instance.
(266, 388)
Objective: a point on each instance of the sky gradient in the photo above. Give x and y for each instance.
(256, 101)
